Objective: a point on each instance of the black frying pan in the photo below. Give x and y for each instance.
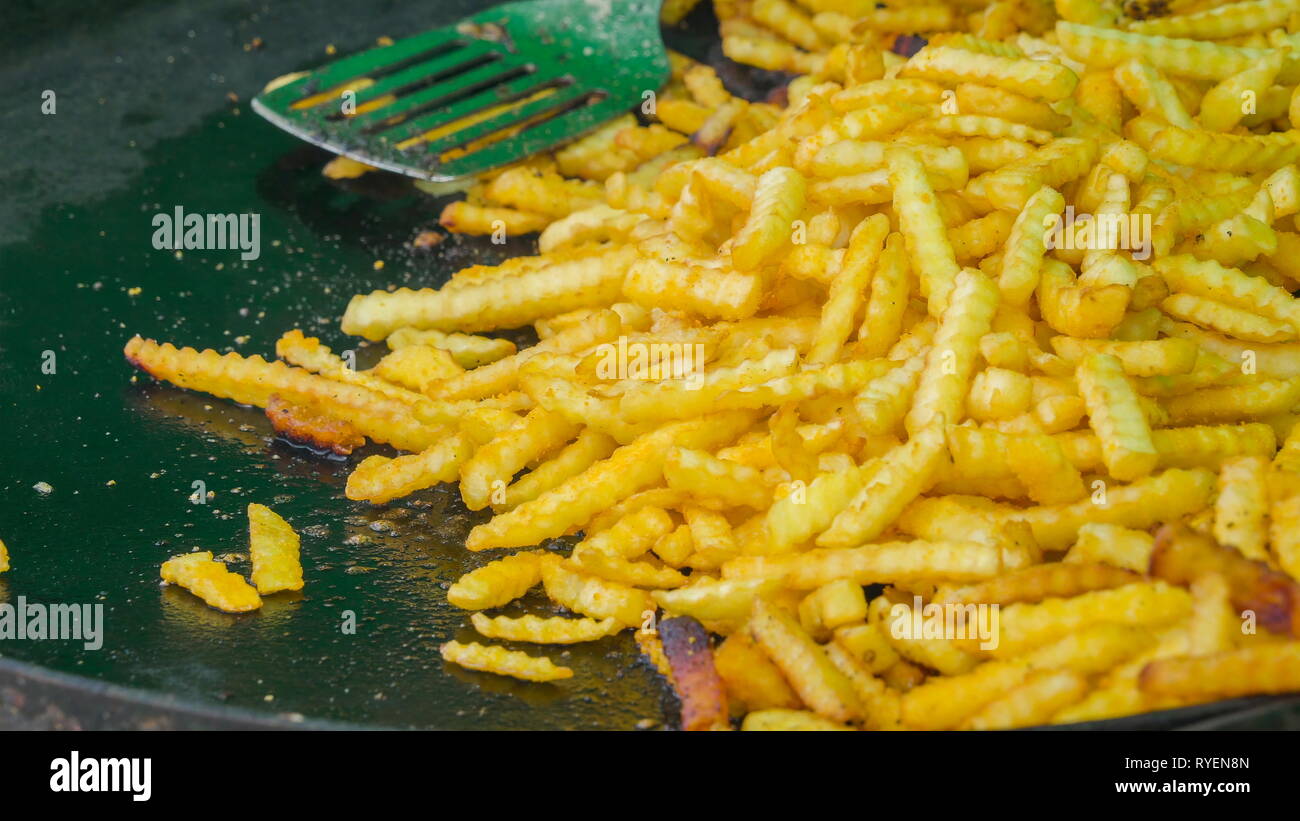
(150, 113)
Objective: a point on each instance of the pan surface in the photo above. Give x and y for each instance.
(143, 124)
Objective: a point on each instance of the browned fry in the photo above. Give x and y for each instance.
(1181, 555)
(700, 689)
(1055, 580)
(308, 426)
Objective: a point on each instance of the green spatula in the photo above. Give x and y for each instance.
(493, 89)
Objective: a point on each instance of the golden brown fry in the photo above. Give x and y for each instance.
(209, 579)
(273, 549)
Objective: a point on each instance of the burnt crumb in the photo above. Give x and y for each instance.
(906, 45)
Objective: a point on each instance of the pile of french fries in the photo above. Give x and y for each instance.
(923, 379)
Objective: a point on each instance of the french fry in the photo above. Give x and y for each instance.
(1116, 546)
(379, 480)
(941, 392)
(550, 289)
(1248, 671)
(946, 64)
(704, 475)
(1034, 701)
(503, 662)
(469, 351)
(900, 476)
(498, 582)
(631, 468)
(273, 549)
(778, 199)
(1025, 626)
(832, 605)
(496, 462)
(1115, 415)
(1034, 584)
(777, 720)
(252, 381)
(922, 227)
(536, 630)
(694, 676)
(846, 290)
(894, 562)
(592, 596)
(1241, 507)
(818, 682)
(1023, 253)
(715, 600)
(1181, 556)
(306, 425)
(209, 579)
(752, 678)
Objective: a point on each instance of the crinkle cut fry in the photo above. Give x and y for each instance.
(630, 468)
(252, 380)
(695, 678)
(563, 286)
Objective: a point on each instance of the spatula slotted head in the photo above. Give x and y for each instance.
(493, 89)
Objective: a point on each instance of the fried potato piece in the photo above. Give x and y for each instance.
(498, 582)
(632, 534)
(950, 362)
(710, 600)
(922, 227)
(1181, 556)
(1241, 507)
(818, 682)
(4, 557)
(775, 720)
(752, 679)
(830, 606)
(1034, 701)
(900, 476)
(550, 289)
(303, 425)
(1249, 671)
(273, 547)
(417, 367)
(1026, 626)
(534, 630)
(631, 468)
(706, 476)
(695, 678)
(1113, 545)
(379, 480)
(1034, 584)
(593, 596)
(1164, 497)
(209, 579)
(778, 200)
(615, 568)
(497, 461)
(503, 662)
(1114, 413)
(468, 350)
(252, 381)
(895, 562)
